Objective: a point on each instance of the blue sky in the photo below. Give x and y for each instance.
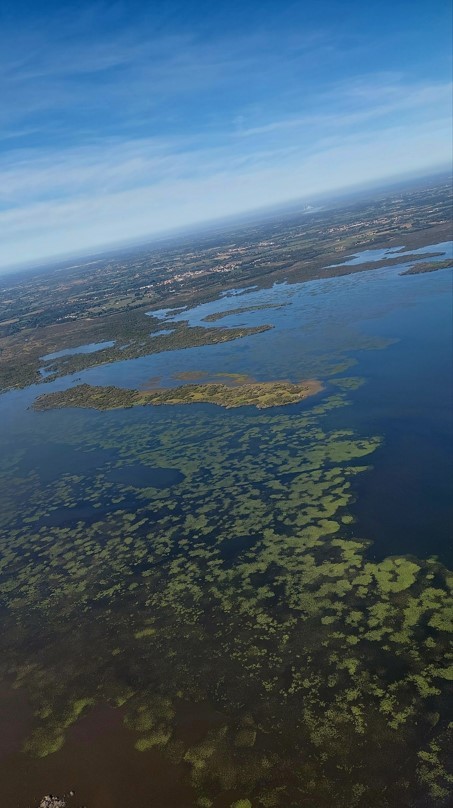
(119, 120)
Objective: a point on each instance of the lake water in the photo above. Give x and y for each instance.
(162, 332)
(90, 347)
(203, 606)
(365, 256)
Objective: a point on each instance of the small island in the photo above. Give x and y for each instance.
(238, 391)
(428, 266)
(219, 315)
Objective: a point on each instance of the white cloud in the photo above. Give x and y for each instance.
(113, 164)
(211, 187)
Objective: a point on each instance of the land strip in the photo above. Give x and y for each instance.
(433, 266)
(250, 393)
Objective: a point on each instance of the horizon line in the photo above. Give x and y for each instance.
(336, 193)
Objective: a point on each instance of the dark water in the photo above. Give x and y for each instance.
(139, 476)
(196, 572)
(405, 503)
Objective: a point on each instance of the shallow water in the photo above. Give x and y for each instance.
(162, 332)
(89, 347)
(163, 556)
(366, 256)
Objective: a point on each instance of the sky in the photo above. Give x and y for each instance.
(120, 120)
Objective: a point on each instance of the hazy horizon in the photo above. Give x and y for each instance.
(344, 194)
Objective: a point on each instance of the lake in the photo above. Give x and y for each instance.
(208, 607)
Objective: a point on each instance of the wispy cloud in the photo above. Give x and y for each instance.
(115, 163)
(360, 103)
(125, 129)
(133, 75)
(191, 187)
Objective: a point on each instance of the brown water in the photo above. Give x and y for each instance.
(98, 762)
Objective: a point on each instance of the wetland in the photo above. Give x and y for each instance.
(240, 393)
(233, 606)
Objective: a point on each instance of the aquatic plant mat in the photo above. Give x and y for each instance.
(208, 563)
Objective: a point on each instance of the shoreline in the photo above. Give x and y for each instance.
(132, 329)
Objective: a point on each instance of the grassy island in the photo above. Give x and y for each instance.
(219, 315)
(428, 266)
(240, 394)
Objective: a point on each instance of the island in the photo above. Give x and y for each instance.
(428, 266)
(220, 315)
(236, 392)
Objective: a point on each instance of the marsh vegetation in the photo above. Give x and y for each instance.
(240, 392)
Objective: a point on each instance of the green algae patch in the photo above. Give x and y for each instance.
(444, 673)
(245, 738)
(240, 394)
(395, 574)
(145, 632)
(43, 742)
(159, 737)
(348, 383)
